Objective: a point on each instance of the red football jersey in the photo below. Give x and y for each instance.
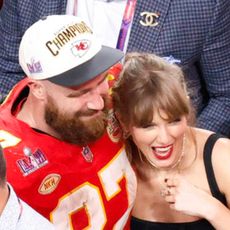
(76, 188)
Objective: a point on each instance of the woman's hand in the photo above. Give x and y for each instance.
(185, 197)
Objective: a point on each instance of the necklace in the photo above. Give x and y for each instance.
(162, 175)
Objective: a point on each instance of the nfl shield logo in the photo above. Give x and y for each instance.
(87, 154)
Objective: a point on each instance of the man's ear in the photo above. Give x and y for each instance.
(37, 88)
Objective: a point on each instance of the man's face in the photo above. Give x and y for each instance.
(81, 118)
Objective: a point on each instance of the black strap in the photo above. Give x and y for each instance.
(209, 169)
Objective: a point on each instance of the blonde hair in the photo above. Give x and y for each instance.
(147, 85)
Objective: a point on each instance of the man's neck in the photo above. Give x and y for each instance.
(32, 113)
(4, 196)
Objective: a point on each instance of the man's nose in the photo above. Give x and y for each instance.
(96, 102)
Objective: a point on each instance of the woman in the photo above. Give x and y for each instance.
(183, 172)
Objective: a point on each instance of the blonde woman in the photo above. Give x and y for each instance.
(183, 172)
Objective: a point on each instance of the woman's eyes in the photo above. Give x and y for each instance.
(175, 121)
(147, 126)
(153, 125)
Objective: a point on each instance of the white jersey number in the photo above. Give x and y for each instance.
(88, 196)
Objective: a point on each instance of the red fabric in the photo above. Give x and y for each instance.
(85, 193)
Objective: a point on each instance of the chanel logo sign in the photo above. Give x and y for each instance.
(149, 19)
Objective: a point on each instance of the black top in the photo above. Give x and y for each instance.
(138, 224)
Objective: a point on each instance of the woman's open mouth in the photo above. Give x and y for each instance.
(163, 153)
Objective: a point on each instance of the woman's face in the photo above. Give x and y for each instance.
(161, 141)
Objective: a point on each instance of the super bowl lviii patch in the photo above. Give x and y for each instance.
(32, 161)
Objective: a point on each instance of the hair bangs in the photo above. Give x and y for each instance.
(173, 104)
(157, 95)
(142, 113)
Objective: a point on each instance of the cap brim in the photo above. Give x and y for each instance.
(102, 61)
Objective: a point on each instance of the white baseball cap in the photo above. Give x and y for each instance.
(63, 50)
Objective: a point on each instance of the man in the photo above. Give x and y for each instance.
(194, 34)
(14, 213)
(62, 158)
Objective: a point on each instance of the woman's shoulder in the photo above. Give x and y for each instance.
(202, 137)
(218, 144)
(219, 148)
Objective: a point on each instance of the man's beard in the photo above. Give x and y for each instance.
(71, 128)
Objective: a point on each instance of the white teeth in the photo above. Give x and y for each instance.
(163, 149)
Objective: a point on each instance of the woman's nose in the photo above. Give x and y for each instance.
(163, 135)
